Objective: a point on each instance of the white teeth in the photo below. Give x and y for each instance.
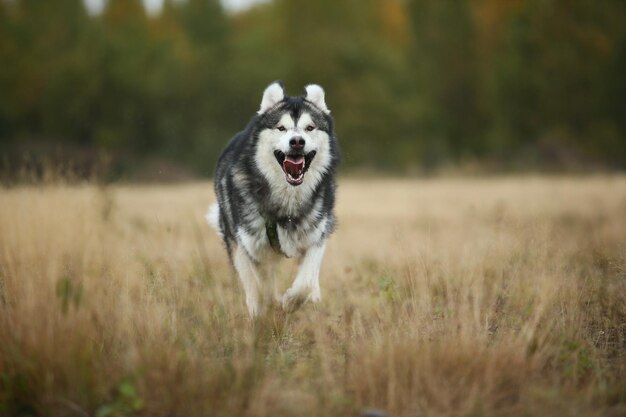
(298, 178)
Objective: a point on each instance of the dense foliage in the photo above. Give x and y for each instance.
(413, 84)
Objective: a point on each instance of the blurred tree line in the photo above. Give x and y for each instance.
(413, 84)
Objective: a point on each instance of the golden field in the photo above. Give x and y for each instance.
(441, 297)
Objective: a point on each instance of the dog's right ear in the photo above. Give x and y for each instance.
(274, 93)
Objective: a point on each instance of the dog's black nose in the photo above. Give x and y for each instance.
(297, 143)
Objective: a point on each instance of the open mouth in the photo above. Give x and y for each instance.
(294, 165)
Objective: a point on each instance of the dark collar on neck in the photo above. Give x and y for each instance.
(272, 235)
(271, 229)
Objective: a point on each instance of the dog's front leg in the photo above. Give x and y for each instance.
(306, 286)
(250, 279)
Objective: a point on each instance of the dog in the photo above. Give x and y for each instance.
(275, 187)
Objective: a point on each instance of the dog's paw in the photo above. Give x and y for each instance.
(254, 308)
(293, 300)
(295, 297)
(315, 296)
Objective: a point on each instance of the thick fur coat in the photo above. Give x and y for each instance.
(275, 188)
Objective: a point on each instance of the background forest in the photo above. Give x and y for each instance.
(416, 86)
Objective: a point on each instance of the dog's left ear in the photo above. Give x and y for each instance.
(274, 93)
(315, 94)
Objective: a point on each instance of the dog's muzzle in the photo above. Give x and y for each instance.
(294, 165)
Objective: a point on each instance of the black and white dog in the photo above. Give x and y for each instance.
(275, 190)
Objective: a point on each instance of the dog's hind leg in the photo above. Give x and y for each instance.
(271, 294)
(250, 279)
(306, 286)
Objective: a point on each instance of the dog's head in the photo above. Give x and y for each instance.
(295, 135)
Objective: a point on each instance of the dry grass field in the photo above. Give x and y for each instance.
(442, 297)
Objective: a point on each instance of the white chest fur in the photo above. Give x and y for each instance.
(294, 241)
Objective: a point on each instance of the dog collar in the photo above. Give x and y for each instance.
(272, 236)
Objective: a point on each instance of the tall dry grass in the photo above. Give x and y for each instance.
(478, 297)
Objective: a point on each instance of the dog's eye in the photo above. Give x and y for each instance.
(310, 128)
(281, 128)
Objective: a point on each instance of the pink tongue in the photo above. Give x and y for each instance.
(294, 166)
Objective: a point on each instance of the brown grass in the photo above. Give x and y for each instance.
(478, 297)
